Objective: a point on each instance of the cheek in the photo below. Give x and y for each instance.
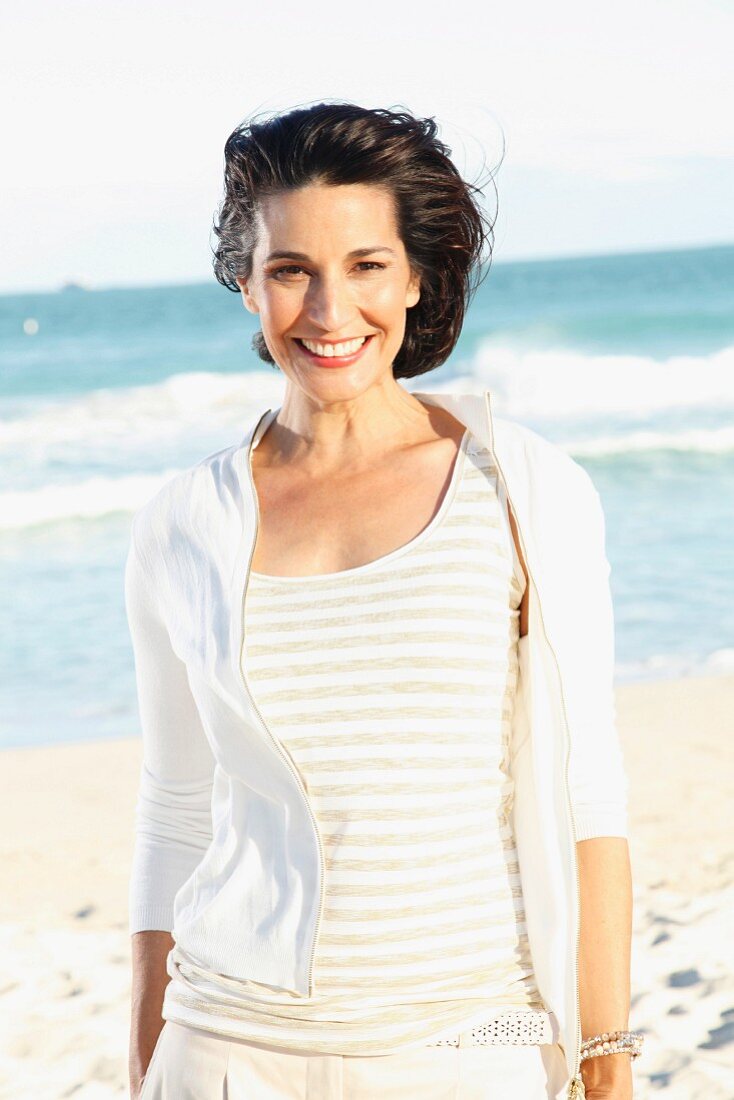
(387, 299)
(281, 310)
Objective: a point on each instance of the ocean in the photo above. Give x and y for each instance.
(626, 361)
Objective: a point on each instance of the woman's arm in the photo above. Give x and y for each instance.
(599, 795)
(173, 826)
(599, 791)
(605, 880)
(149, 981)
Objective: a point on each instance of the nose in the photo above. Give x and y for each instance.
(329, 303)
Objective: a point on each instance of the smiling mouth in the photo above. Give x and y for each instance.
(325, 353)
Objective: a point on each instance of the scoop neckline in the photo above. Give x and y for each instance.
(369, 566)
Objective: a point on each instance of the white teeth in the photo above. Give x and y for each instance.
(333, 350)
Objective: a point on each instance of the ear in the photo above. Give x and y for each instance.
(413, 293)
(247, 296)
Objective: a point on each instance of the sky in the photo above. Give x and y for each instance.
(608, 127)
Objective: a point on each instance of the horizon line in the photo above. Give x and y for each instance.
(81, 284)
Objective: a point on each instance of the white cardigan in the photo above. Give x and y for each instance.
(227, 853)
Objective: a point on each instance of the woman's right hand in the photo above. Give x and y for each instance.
(137, 1081)
(149, 953)
(136, 1090)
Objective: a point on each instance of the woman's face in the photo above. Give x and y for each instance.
(341, 273)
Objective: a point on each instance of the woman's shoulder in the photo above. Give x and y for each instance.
(542, 457)
(532, 460)
(185, 501)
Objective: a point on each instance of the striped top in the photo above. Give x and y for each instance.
(391, 686)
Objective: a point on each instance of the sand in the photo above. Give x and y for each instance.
(66, 825)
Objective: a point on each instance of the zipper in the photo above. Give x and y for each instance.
(280, 748)
(576, 1089)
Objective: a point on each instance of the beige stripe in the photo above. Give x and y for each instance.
(386, 688)
(438, 636)
(409, 861)
(361, 939)
(449, 950)
(465, 903)
(415, 738)
(391, 813)
(375, 714)
(437, 976)
(385, 889)
(491, 666)
(419, 787)
(389, 763)
(369, 840)
(350, 623)
(456, 584)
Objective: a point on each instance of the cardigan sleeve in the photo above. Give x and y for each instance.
(173, 826)
(598, 779)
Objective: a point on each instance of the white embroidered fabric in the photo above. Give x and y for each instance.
(515, 1028)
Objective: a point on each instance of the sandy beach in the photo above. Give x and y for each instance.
(66, 839)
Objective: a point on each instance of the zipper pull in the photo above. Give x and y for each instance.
(576, 1090)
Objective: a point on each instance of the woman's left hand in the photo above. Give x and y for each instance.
(608, 1077)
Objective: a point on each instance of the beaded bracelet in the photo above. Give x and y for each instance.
(613, 1042)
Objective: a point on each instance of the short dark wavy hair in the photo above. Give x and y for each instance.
(439, 217)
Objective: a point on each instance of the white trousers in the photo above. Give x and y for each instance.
(189, 1063)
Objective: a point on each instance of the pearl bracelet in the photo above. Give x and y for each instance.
(613, 1042)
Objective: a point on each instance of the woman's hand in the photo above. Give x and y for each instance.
(136, 1088)
(608, 1076)
(149, 954)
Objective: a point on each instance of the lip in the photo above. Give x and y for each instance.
(335, 360)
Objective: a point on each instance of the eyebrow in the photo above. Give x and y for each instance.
(281, 254)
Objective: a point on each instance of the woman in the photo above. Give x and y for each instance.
(381, 826)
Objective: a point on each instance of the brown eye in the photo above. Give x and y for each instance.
(284, 270)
